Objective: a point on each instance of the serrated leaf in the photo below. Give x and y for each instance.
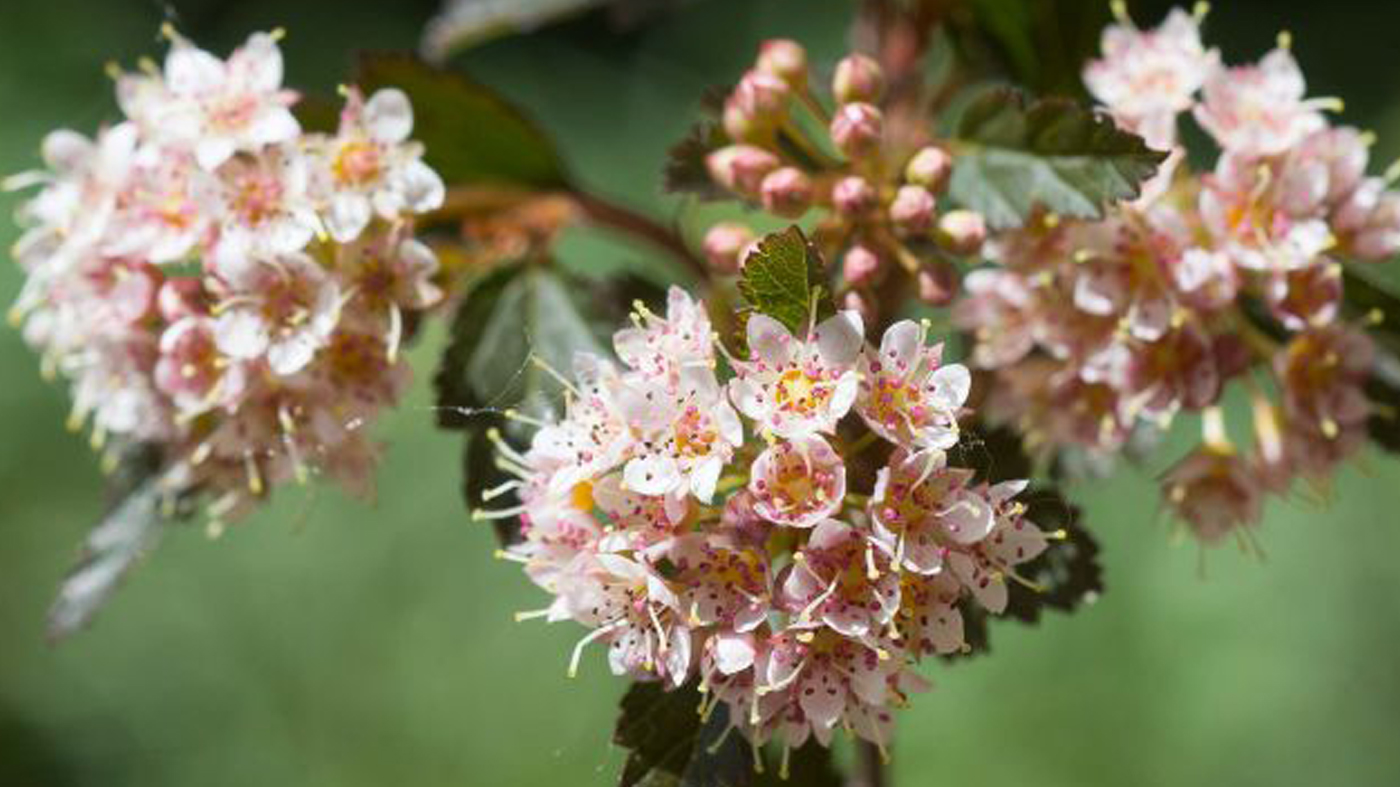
(785, 279)
(1042, 45)
(1015, 156)
(685, 171)
(659, 728)
(470, 133)
(132, 526)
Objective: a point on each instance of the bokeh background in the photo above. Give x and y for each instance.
(329, 643)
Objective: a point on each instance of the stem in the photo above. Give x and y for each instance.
(870, 766)
(610, 214)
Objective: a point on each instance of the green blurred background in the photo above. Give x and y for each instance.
(330, 643)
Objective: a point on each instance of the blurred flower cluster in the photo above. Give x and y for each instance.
(1098, 328)
(875, 179)
(216, 282)
(701, 528)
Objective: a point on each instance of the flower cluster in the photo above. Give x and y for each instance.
(214, 281)
(708, 529)
(1096, 327)
(875, 179)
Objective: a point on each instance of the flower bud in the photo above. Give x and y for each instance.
(784, 59)
(179, 298)
(858, 78)
(912, 210)
(862, 305)
(723, 244)
(938, 284)
(749, 251)
(929, 168)
(860, 266)
(857, 129)
(787, 192)
(739, 124)
(761, 94)
(853, 196)
(741, 168)
(962, 231)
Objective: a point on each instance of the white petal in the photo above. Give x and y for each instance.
(389, 116)
(420, 186)
(704, 478)
(899, 346)
(952, 384)
(733, 652)
(273, 125)
(840, 338)
(347, 216)
(210, 152)
(292, 353)
(259, 63)
(769, 340)
(652, 475)
(190, 70)
(241, 334)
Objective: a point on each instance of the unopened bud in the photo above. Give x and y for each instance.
(929, 168)
(784, 59)
(787, 192)
(761, 94)
(741, 168)
(857, 129)
(724, 243)
(749, 251)
(862, 305)
(938, 284)
(860, 266)
(858, 78)
(179, 298)
(912, 210)
(739, 124)
(853, 196)
(962, 231)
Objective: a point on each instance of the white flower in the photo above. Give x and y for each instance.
(907, 395)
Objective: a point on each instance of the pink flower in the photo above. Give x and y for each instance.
(193, 371)
(797, 388)
(685, 436)
(724, 584)
(663, 347)
(921, 508)
(214, 107)
(371, 169)
(1214, 491)
(283, 310)
(798, 483)
(1153, 73)
(929, 620)
(839, 580)
(1259, 110)
(998, 308)
(265, 208)
(385, 276)
(906, 394)
(593, 436)
(1267, 216)
(1322, 373)
(1307, 296)
(1178, 370)
(983, 566)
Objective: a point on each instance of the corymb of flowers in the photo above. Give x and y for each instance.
(712, 529)
(223, 286)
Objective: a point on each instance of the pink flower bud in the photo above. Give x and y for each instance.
(748, 251)
(938, 284)
(929, 168)
(723, 244)
(761, 94)
(785, 59)
(962, 231)
(741, 168)
(853, 196)
(857, 129)
(912, 210)
(860, 265)
(739, 124)
(787, 192)
(860, 304)
(858, 78)
(181, 298)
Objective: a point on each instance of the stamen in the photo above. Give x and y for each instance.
(552, 372)
(593, 635)
(531, 614)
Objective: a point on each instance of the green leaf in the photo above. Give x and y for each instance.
(1042, 45)
(465, 23)
(668, 744)
(685, 171)
(133, 525)
(469, 132)
(1014, 157)
(785, 279)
